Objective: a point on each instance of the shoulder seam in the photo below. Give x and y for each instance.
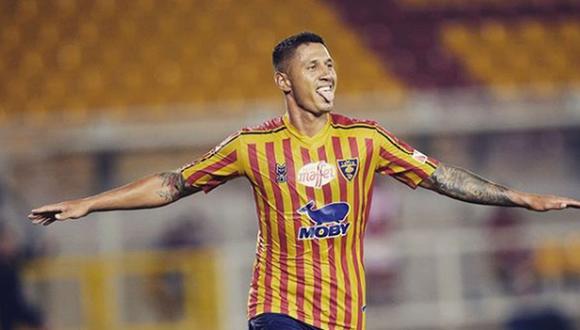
(353, 125)
(257, 131)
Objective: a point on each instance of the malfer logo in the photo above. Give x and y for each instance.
(316, 174)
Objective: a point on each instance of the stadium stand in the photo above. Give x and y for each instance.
(74, 56)
(448, 43)
(530, 53)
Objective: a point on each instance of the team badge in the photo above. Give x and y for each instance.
(316, 174)
(348, 167)
(281, 173)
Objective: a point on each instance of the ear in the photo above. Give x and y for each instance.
(282, 81)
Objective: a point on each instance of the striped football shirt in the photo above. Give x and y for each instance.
(313, 196)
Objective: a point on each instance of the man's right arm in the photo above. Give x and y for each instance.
(149, 192)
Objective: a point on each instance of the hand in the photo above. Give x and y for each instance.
(48, 214)
(544, 203)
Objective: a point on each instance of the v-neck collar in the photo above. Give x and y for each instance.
(309, 140)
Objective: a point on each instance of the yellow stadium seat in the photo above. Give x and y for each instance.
(549, 260)
(530, 54)
(572, 254)
(117, 54)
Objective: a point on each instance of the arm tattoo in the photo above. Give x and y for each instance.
(463, 185)
(173, 186)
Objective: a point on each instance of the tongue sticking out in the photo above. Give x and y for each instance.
(327, 95)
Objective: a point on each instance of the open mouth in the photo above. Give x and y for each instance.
(326, 92)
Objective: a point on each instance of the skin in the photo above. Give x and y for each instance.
(463, 185)
(310, 67)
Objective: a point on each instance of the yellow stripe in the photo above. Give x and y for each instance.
(288, 229)
(358, 263)
(260, 210)
(349, 240)
(336, 242)
(323, 256)
(272, 221)
(307, 244)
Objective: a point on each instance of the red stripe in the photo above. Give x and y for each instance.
(403, 145)
(368, 186)
(212, 152)
(232, 157)
(395, 140)
(218, 180)
(347, 121)
(333, 279)
(289, 160)
(404, 164)
(255, 165)
(358, 234)
(317, 303)
(253, 303)
(343, 197)
(271, 156)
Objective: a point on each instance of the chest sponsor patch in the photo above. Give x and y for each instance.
(328, 220)
(316, 174)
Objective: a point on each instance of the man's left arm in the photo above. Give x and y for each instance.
(463, 185)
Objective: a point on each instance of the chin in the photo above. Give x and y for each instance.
(324, 107)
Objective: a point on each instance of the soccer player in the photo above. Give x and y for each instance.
(312, 175)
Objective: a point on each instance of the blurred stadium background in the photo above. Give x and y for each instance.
(94, 94)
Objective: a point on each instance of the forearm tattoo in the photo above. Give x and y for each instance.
(466, 186)
(173, 186)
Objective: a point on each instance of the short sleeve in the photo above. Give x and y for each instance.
(216, 167)
(401, 161)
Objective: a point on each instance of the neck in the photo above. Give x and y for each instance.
(305, 122)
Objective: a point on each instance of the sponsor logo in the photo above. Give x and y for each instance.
(281, 173)
(418, 156)
(329, 221)
(316, 174)
(348, 167)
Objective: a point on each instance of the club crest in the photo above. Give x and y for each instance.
(348, 167)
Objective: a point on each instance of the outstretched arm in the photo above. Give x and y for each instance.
(149, 192)
(463, 185)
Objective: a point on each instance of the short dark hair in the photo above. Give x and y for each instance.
(286, 48)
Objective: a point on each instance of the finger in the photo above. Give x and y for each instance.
(40, 218)
(48, 222)
(39, 215)
(54, 208)
(39, 222)
(571, 203)
(62, 216)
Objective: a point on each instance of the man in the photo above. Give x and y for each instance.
(312, 175)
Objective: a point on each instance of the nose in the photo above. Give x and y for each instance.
(326, 74)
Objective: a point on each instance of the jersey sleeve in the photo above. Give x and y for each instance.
(219, 165)
(401, 161)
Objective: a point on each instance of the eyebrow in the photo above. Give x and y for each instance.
(315, 60)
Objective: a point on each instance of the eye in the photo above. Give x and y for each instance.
(330, 65)
(311, 67)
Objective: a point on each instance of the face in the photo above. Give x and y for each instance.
(311, 78)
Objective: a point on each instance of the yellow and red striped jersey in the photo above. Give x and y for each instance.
(313, 196)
